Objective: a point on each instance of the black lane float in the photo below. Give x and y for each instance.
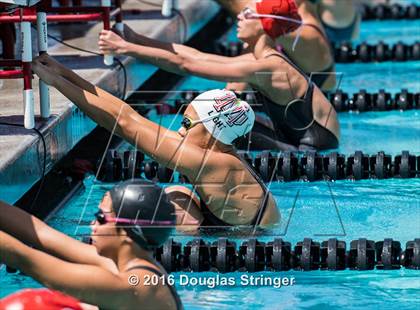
(393, 11)
(285, 167)
(362, 101)
(252, 255)
(379, 52)
(345, 52)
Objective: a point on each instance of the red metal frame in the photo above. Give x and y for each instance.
(11, 74)
(79, 14)
(76, 13)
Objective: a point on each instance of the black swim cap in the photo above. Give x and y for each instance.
(147, 205)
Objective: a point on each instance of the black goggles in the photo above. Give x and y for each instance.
(186, 123)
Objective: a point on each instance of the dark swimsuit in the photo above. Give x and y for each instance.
(211, 220)
(294, 124)
(338, 35)
(160, 274)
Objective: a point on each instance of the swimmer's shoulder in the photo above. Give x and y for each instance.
(149, 285)
(230, 160)
(220, 160)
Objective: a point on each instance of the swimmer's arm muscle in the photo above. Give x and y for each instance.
(224, 59)
(178, 49)
(241, 71)
(71, 76)
(90, 284)
(163, 145)
(104, 111)
(222, 69)
(31, 230)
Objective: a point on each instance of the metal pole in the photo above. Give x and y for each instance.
(44, 93)
(28, 96)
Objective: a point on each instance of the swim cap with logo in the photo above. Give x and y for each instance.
(143, 209)
(224, 115)
(277, 27)
(44, 299)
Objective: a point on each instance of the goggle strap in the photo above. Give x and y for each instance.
(253, 14)
(299, 32)
(278, 17)
(130, 221)
(138, 222)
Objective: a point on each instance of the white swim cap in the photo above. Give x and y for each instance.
(224, 116)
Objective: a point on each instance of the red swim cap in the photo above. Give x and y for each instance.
(44, 299)
(275, 27)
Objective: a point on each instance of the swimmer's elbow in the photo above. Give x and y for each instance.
(179, 65)
(122, 121)
(192, 66)
(187, 66)
(126, 127)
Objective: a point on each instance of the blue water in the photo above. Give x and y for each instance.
(374, 209)
(390, 31)
(407, 31)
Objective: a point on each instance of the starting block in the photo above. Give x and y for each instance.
(26, 11)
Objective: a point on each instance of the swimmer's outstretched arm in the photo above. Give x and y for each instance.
(165, 146)
(90, 284)
(68, 74)
(169, 60)
(36, 233)
(110, 42)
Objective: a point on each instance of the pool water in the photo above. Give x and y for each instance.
(389, 31)
(347, 210)
(392, 31)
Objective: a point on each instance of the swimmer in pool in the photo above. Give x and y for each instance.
(226, 190)
(134, 217)
(319, 64)
(340, 19)
(302, 117)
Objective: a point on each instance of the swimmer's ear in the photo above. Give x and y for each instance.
(124, 236)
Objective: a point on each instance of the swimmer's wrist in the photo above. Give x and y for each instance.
(125, 48)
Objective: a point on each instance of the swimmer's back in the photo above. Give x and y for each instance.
(233, 194)
(156, 293)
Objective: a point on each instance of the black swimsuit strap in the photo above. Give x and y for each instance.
(276, 111)
(159, 273)
(266, 193)
(213, 220)
(309, 91)
(287, 59)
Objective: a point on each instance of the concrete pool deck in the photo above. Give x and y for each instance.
(21, 150)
